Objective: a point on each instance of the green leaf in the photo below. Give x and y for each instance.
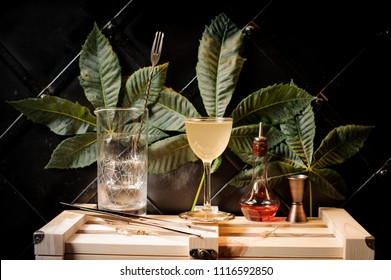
(155, 134)
(219, 64)
(170, 153)
(277, 173)
(170, 112)
(283, 153)
(62, 116)
(74, 152)
(328, 182)
(340, 144)
(216, 164)
(300, 132)
(242, 179)
(280, 170)
(136, 86)
(272, 105)
(100, 71)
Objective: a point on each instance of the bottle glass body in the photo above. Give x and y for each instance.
(259, 202)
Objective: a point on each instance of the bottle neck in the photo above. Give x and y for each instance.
(260, 154)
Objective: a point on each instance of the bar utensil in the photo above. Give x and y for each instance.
(297, 212)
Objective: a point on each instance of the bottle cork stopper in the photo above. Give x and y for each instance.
(260, 143)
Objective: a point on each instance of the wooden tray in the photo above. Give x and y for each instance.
(75, 234)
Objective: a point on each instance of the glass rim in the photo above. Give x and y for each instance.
(200, 119)
(297, 177)
(102, 109)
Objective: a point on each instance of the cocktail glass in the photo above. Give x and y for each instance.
(208, 137)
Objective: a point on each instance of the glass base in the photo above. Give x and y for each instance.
(207, 216)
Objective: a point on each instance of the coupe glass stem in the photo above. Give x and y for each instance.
(207, 187)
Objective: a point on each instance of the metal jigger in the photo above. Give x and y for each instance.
(297, 213)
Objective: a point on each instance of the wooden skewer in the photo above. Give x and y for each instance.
(132, 218)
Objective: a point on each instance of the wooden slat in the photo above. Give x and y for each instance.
(278, 239)
(121, 257)
(117, 244)
(350, 233)
(56, 232)
(276, 247)
(278, 232)
(108, 239)
(278, 221)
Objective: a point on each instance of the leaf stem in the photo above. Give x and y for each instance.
(310, 185)
(198, 191)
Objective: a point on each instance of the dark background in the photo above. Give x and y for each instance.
(339, 50)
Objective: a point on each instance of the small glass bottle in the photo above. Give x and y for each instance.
(259, 203)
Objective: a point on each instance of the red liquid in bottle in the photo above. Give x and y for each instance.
(259, 203)
(259, 213)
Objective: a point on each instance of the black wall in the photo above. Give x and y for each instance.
(340, 50)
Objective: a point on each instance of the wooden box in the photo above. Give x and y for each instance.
(75, 234)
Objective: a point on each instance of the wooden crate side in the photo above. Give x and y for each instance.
(107, 245)
(280, 248)
(120, 257)
(49, 241)
(358, 244)
(103, 239)
(206, 246)
(76, 235)
(278, 239)
(46, 258)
